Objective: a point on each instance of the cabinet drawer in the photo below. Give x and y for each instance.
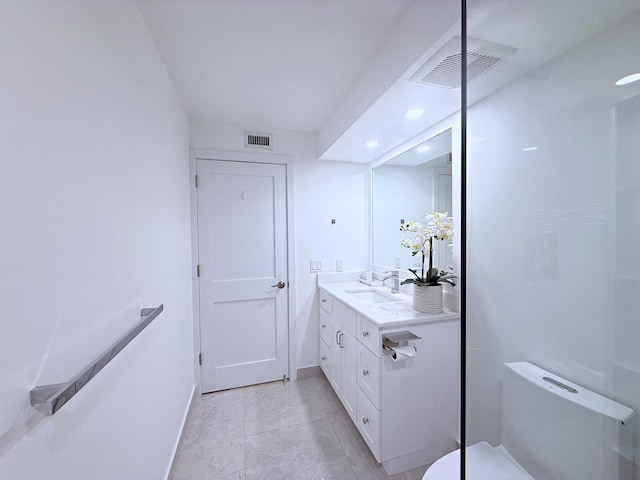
(369, 335)
(368, 374)
(325, 301)
(324, 358)
(325, 325)
(368, 423)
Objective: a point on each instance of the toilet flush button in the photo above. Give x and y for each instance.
(557, 383)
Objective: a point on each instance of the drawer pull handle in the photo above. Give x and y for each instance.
(324, 300)
(324, 325)
(365, 420)
(365, 333)
(324, 358)
(365, 372)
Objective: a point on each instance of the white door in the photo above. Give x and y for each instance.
(242, 252)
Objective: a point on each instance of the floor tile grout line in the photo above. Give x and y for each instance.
(302, 422)
(344, 452)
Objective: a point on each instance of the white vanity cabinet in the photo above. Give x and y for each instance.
(405, 409)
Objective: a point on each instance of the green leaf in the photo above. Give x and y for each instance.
(447, 276)
(408, 281)
(415, 273)
(433, 272)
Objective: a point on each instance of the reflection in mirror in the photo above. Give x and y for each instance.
(406, 188)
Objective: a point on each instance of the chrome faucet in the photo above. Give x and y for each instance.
(395, 280)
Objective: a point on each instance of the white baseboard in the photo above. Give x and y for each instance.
(179, 439)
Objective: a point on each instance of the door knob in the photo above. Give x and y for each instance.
(279, 285)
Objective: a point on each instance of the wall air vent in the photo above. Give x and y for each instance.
(258, 140)
(443, 69)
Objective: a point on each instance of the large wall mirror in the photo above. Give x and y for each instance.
(405, 188)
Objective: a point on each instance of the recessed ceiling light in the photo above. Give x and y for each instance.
(423, 148)
(372, 143)
(629, 79)
(414, 113)
(529, 149)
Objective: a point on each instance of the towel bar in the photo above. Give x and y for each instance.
(50, 398)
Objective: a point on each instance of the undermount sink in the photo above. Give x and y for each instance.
(372, 296)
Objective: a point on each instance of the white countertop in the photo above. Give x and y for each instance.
(385, 314)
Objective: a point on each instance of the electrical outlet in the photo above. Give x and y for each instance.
(396, 262)
(316, 266)
(417, 261)
(339, 265)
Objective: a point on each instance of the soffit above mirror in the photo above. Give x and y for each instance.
(385, 118)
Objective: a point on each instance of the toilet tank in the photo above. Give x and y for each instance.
(558, 430)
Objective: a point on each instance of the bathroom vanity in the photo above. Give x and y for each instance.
(394, 369)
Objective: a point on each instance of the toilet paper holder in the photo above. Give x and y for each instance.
(391, 341)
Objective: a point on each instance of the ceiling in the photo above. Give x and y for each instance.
(308, 65)
(268, 63)
(342, 68)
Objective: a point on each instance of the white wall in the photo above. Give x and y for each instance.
(543, 228)
(322, 191)
(94, 201)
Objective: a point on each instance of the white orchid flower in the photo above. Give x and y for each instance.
(438, 226)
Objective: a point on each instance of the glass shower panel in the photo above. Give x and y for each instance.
(553, 231)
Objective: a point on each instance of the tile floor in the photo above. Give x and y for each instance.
(293, 430)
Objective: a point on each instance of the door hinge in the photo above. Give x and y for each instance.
(196, 181)
(197, 270)
(200, 359)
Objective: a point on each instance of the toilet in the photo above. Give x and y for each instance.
(551, 429)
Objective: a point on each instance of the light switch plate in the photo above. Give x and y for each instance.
(396, 262)
(339, 265)
(316, 266)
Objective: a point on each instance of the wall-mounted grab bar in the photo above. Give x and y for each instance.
(50, 398)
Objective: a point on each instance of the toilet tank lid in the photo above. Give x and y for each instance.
(583, 397)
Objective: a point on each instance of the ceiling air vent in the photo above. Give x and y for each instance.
(258, 140)
(443, 69)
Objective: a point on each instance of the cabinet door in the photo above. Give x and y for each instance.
(345, 315)
(335, 357)
(349, 379)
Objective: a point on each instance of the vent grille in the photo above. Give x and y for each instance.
(443, 69)
(258, 140)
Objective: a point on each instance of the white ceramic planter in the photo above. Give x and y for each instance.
(427, 298)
